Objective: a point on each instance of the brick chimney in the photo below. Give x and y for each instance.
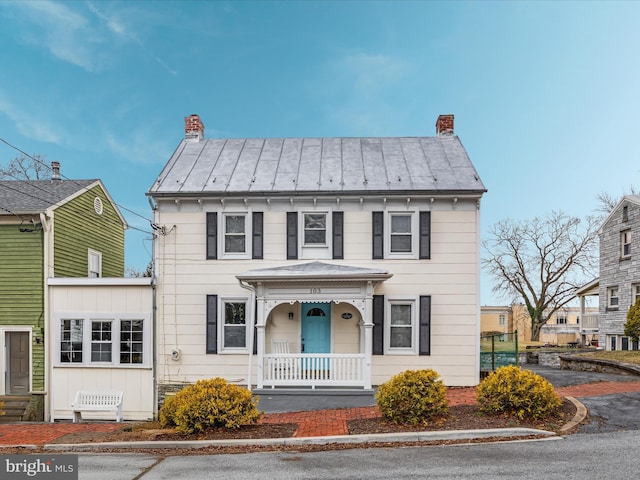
(55, 170)
(444, 125)
(193, 128)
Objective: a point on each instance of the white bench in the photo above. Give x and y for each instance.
(88, 401)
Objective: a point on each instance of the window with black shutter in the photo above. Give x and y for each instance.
(338, 235)
(377, 227)
(292, 235)
(212, 235)
(212, 324)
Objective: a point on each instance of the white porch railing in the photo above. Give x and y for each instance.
(313, 370)
(589, 322)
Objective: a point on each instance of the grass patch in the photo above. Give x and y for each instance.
(617, 356)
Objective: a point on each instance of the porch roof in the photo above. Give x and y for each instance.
(314, 271)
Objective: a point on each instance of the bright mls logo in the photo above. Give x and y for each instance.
(52, 467)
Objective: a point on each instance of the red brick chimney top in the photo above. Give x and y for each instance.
(444, 125)
(193, 128)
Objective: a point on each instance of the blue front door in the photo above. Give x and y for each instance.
(316, 328)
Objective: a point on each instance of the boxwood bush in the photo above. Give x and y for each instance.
(413, 397)
(209, 404)
(519, 392)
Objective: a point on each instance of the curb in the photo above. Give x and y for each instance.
(342, 439)
(578, 418)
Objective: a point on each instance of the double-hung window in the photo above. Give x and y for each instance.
(612, 297)
(234, 327)
(561, 320)
(401, 234)
(625, 244)
(71, 339)
(131, 341)
(101, 341)
(401, 326)
(313, 235)
(315, 229)
(119, 340)
(235, 233)
(400, 231)
(95, 264)
(635, 292)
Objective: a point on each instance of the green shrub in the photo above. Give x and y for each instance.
(413, 397)
(519, 392)
(209, 404)
(632, 325)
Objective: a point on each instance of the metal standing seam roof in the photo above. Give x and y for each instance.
(318, 165)
(35, 196)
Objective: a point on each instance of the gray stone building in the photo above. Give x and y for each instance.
(619, 271)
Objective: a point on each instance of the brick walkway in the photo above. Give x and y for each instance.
(310, 424)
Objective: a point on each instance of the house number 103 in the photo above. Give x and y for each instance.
(316, 290)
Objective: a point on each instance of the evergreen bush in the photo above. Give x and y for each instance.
(519, 392)
(209, 404)
(412, 397)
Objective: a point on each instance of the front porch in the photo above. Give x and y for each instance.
(314, 370)
(318, 319)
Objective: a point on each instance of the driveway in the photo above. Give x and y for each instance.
(607, 413)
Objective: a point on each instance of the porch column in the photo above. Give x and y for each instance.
(368, 340)
(260, 320)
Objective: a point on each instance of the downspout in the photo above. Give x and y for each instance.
(48, 362)
(252, 330)
(154, 309)
(478, 293)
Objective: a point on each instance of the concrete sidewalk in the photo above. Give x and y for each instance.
(322, 425)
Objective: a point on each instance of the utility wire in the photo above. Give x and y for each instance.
(65, 177)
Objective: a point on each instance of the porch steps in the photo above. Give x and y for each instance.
(14, 407)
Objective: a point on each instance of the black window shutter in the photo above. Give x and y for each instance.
(212, 323)
(292, 235)
(338, 235)
(377, 227)
(425, 234)
(257, 233)
(425, 325)
(255, 327)
(378, 325)
(212, 235)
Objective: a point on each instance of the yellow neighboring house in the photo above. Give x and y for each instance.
(561, 329)
(506, 319)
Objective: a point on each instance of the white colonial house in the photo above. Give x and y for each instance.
(317, 262)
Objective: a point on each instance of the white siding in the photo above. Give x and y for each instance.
(84, 298)
(450, 277)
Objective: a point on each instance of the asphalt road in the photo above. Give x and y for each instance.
(580, 457)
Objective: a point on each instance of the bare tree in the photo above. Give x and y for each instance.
(541, 261)
(25, 168)
(134, 272)
(607, 202)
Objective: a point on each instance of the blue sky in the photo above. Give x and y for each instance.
(545, 95)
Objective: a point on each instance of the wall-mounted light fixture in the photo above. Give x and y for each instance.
(290, 315)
